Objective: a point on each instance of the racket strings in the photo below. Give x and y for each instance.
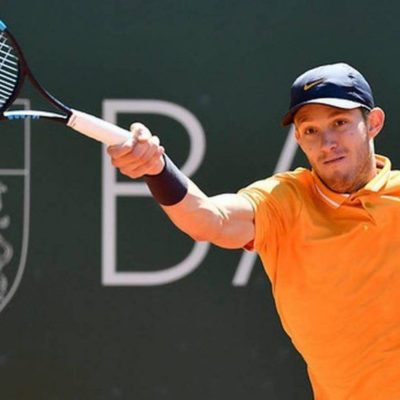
(9, 70)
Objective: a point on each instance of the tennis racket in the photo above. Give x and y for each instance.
(13, 71)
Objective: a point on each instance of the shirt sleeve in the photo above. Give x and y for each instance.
(276, 204)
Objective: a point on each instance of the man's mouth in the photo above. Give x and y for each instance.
(334, 160)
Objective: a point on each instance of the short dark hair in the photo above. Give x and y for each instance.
(365, 112)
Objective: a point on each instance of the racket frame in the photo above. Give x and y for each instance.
(24, 72)
(81, 122)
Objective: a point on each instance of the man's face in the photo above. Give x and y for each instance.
(337, 144)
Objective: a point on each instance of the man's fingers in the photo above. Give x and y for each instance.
(140, 133)
(140, 155)
(137, 155)
(151, 166)
(120, 150)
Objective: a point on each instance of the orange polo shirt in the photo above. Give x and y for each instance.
(334, 264)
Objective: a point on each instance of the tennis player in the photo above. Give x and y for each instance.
(328, 236)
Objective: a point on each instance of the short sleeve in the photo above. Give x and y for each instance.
(276, 202)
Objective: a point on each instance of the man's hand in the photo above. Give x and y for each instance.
(140, 155)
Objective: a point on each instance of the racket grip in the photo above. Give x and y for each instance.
(97, 128)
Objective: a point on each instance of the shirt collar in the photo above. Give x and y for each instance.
(335, 200)
(383, 166)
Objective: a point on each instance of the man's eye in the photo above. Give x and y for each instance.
(340, 122)
(310, 131)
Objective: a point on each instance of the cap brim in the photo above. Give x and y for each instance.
(339, 103)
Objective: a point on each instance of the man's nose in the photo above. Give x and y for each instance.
(328, 140)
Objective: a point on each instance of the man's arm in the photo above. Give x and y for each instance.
(226, 220)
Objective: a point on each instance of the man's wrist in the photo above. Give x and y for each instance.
(169, 186)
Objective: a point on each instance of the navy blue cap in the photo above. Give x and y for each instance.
(338, 85)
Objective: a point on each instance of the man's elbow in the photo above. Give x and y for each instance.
(203, 232)
(201, 235)
(217, 240)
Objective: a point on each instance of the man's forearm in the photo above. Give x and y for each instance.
(225, 220)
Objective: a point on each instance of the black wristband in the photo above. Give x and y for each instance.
(169, 186)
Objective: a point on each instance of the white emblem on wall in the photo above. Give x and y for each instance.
(14, 205)
(6, 249)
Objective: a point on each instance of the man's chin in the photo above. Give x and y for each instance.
(340, 188)
(337, 184)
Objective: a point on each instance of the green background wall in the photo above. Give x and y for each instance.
(64, 335)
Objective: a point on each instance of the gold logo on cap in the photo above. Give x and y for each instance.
(308, 86)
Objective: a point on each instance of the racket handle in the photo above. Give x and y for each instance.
(97, 128)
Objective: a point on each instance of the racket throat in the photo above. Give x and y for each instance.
(31, 114)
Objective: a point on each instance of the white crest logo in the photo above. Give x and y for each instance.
(14, 203)
(6, 249)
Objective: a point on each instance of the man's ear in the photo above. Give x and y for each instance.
(376, 120)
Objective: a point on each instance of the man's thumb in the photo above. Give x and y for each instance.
(140, 132)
